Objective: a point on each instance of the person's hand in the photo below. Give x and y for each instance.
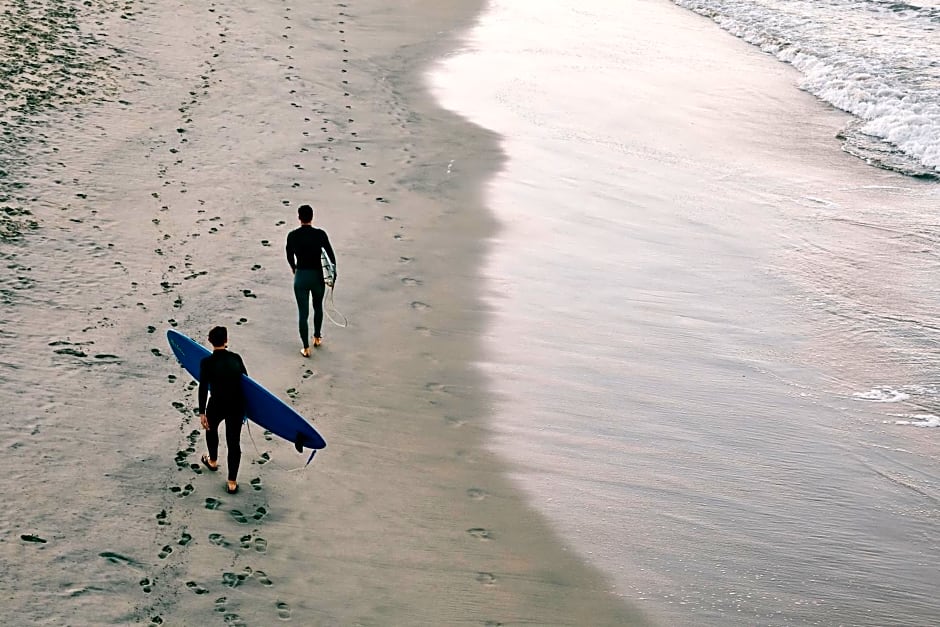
(204, 421)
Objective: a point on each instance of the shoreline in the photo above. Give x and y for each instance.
(407, 516)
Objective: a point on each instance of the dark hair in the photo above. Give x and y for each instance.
(305, 213)
(218, 336)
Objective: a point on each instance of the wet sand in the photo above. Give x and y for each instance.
(167, 204)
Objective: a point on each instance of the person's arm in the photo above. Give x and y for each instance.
(241, 362)
(289, 249)
(203, 393)
(329, 251)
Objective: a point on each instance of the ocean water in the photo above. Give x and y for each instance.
(714, 298)
(879, 60)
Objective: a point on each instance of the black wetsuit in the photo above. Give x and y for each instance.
(221, 373)
(303, 254)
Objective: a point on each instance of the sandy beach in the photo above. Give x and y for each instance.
(164, 201)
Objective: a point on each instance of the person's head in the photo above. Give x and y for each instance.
(218, 337)
(305, 213)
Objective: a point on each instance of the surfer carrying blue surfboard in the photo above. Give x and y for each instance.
(220, 382)
(305, 247)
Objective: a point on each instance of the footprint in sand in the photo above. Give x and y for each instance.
(265, 458)
(476, 494)
(182, 491)
(283, 610)
(196, 588)
(241, 321)
(161, 519)
(146, 585)
(218, 539)
(255, 267)
(29, 537)
(480, 533)
(410, 281)
(239, 517)
(181, 459)
(307, 374)
(233, 580)
(185, 539)
(171, 378)
(260, 513)
(261, 545)
(263, 579)
(117, 558)
(487, 579)
(419, 306)
(245, 541)
(249, 294)
(165, 551)
(256, 483)
(73, 352)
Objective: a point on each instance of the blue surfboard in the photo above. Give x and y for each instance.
(263, 407)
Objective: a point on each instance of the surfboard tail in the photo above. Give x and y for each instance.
(299, 442)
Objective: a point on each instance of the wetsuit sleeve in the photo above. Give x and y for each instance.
(203, 385)
(329, 249)
(291, 253)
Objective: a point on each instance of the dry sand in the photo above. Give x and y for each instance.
(168, 205)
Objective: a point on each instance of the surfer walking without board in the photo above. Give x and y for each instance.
(220, 382)
(306, 246)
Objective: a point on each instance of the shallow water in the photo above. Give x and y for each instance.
(713, 333)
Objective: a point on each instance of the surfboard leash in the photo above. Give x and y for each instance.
(332, 305)
(268, 460)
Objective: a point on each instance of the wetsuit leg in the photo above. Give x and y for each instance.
(302, 294)
(317, 290)
(233, 432)
(212, 433)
